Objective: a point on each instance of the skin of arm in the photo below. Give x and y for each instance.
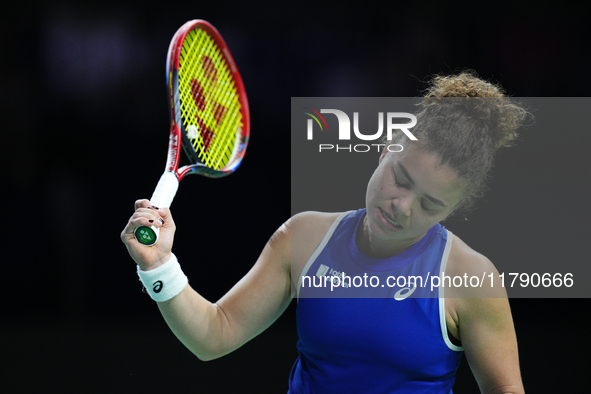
(256, 301)
(483, 322)
(211, 330)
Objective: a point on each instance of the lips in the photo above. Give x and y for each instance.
(390, 220)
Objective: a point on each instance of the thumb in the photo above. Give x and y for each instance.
(167, 220)
(167, 227)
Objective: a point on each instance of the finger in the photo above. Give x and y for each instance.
(145, 221)
(142, 218)
(166, 216)
(133, 223)
(142, 203)
(150, 213)
(154, 218)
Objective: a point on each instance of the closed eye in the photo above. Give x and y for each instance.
(398, 184)
(425, 207)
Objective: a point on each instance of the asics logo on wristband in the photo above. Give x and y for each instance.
(163, 282)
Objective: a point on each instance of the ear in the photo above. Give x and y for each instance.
(454, 209)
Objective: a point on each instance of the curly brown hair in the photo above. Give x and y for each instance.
(464, 120)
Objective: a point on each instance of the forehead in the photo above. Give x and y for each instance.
(427, 173)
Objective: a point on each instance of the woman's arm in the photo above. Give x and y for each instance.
(485, 326)
(490, 345)
(211, 330)
(252, 305)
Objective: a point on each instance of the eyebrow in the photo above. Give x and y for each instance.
(412, 182)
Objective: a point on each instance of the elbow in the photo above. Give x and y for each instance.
(507, 390)
(207, 354)
(212, 344)
(205, 357)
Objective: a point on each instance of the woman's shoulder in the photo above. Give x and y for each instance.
(479, 275)
(311, 226)
(307, 231)
(462, 257)
(304, 228)
(315, 218)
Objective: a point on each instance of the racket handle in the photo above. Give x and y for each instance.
(161, 198)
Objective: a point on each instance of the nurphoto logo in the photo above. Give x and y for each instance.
(344, 132)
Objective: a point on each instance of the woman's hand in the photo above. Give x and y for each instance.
(149, 257)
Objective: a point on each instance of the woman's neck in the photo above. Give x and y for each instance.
(378, 248)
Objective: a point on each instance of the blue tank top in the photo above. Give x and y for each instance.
(361, 338)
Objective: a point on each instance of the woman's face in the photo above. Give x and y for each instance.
(407, 194)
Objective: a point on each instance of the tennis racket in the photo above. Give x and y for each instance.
(209, 113)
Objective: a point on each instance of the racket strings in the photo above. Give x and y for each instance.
(210, 107)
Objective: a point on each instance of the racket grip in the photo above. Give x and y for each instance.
(161, 198)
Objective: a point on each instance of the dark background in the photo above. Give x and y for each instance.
(83, 106)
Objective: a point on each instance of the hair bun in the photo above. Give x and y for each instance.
(480, 100)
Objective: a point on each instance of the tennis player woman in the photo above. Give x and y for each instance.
(350, 345)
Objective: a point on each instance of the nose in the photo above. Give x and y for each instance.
(403, 202)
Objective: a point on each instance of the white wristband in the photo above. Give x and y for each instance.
(164, 282)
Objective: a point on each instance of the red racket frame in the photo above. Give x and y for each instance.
(177, 132)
